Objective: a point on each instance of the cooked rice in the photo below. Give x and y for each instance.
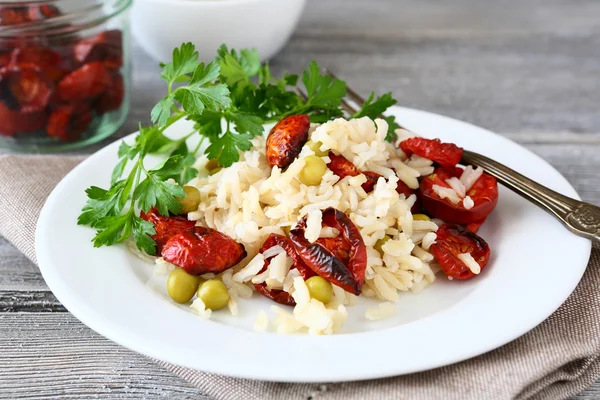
(470, 176)
(457, 185)
(468, 203)
(446, 193)
(250, 200)
(470, 262)
(262, 322)
(383, 310)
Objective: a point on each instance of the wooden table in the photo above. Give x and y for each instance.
(527, 69)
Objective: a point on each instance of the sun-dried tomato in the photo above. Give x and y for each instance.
(279, 296)
(68, 122)
(44, 11)
(474, 226)
(49, 61)
(343, 167)
(113, 97)
(85, 83)
(24, 87)
(166, 226)
(12, 15)
(286, 140)
(13, 122)
(5, 58)
(202, 251)
(349, 275)
(107, 46)
(453, 240)
(445, 154)
(484, 194)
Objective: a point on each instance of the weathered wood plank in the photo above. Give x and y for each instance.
(526, 67)
(54, 356)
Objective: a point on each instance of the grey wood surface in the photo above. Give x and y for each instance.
(528, 69)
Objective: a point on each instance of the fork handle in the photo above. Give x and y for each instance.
(581, 218)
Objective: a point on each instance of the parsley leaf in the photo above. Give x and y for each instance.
(374, 109)
(199, 93)
(247, 123)
(185, 59)
(323, 91)
(226, 147)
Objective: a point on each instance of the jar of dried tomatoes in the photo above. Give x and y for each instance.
(64, 72)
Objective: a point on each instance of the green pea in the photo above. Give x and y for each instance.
(192, 199)
(313, 171)
(319, 289)
(182, 286)
(211, 164)
(316, 148)
(421, 217)
(380, 243)
(214, 294)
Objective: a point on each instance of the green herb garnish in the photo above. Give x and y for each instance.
(229, 100)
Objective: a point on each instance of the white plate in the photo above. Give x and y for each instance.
(535, 265)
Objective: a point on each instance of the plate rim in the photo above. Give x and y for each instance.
(85, 315)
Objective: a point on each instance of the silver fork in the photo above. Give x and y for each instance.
(579, 217)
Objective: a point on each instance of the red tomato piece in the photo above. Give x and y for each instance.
(166, 226)
(45, 11)
(343, 167)
(279, 296)
(12, 15)
(484, 194)
(453, 240)
(25, 87)
(106, 46)
(445, 154)
(113, 97)
(49, 61)
(13, 122)
(350, 275)
(68, 122)
(474, 226)
(203, 250)
(286, 140)
(402, 188)
(5, 58)
(85, 83)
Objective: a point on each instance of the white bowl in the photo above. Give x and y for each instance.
(161, 25)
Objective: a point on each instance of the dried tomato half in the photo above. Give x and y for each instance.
(343, 167)
(484, 194)
(203, 250)
(106, 46)
(68, 122)
(474, 226)
(286, 140)
(49, 61)
(350, 274)
(445, 154)
(279, 296)
(13, 122)
(85, 83)
(25, 87)
(113, 97)
(45, 11)
(12, 15)
(166, 226)
(453, 240)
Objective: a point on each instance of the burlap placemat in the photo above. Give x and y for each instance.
(557, 359)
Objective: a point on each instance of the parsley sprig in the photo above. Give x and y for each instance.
(229, 100)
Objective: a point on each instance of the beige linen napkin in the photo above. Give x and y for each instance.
(557, 359)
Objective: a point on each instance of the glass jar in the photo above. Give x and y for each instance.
(64, 72)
